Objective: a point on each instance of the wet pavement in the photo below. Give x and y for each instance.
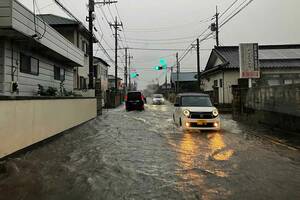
(142, 155)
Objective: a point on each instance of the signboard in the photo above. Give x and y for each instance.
(249, 61)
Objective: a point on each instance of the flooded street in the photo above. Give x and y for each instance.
(142, 155)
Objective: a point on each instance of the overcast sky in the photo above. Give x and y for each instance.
(174, 24)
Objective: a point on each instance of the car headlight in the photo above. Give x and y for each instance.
(186, 113)
(215, 112)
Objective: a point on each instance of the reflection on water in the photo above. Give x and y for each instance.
(162, 108)
(188, 162)
(217, 146)
(197, 156)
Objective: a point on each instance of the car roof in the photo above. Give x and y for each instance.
(193, 94)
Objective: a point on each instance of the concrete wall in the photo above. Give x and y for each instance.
(281, 99)
(275, 106)
(28, 83)
(25, 122)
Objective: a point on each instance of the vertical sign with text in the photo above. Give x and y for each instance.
(249, 61)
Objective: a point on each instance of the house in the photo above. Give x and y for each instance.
(280, 64)
(188, 81)
(78, 35)
(111, 83)
(101, 72)
(33, 53)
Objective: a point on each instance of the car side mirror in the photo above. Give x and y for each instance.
(176, 105)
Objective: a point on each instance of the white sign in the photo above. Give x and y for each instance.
(249, 62)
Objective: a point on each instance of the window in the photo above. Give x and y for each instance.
(83, 82)
(221, 83)
(215, 83)
(84, 47)
(29, 64)
(59, 73)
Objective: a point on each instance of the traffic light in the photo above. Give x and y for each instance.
(158, 67)
(163, 63)
(134, 75)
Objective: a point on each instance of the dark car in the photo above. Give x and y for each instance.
(134, 101)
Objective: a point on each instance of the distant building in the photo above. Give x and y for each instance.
(111, 83)
(280, 64)
(101, 72)
(188, 81)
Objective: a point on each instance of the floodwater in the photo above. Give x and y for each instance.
(142, 155)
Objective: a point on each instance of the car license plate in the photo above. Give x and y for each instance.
(201, 122)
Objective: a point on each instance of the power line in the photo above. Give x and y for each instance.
(226, 21)
(229, 7)
(166, 39)
(167, 28)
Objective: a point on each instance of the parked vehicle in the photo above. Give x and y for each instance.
(158, 99)
(195, 111)
(134, 101)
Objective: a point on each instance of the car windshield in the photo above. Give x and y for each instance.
(195, 101)
(158, 96)
(134, 96)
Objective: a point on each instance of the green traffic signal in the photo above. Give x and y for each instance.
(134, 75)
(158, 68)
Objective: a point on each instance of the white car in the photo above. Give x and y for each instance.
(194, 111)
(158, 99)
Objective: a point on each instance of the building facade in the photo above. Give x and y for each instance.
(188, 81)
(33, 54)
(101, 73)
(77, 34)
(111, 83)
(280, 64)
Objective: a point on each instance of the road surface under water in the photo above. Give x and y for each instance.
(142, 155)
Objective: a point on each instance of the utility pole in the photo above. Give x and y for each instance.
(126, 71)
(178, 70)
(217, 27)
(198, 63)
(116, 26)
(91, 42)
(90, 19)
(129, 66)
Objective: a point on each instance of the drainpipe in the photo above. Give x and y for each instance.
(12, 61)
(14, 85)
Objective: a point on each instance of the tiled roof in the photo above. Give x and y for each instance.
(270, 56)
(57, 20)
(184, 76)
(97, 60)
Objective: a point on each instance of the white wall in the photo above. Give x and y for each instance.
(229, 78)
(25, 122)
